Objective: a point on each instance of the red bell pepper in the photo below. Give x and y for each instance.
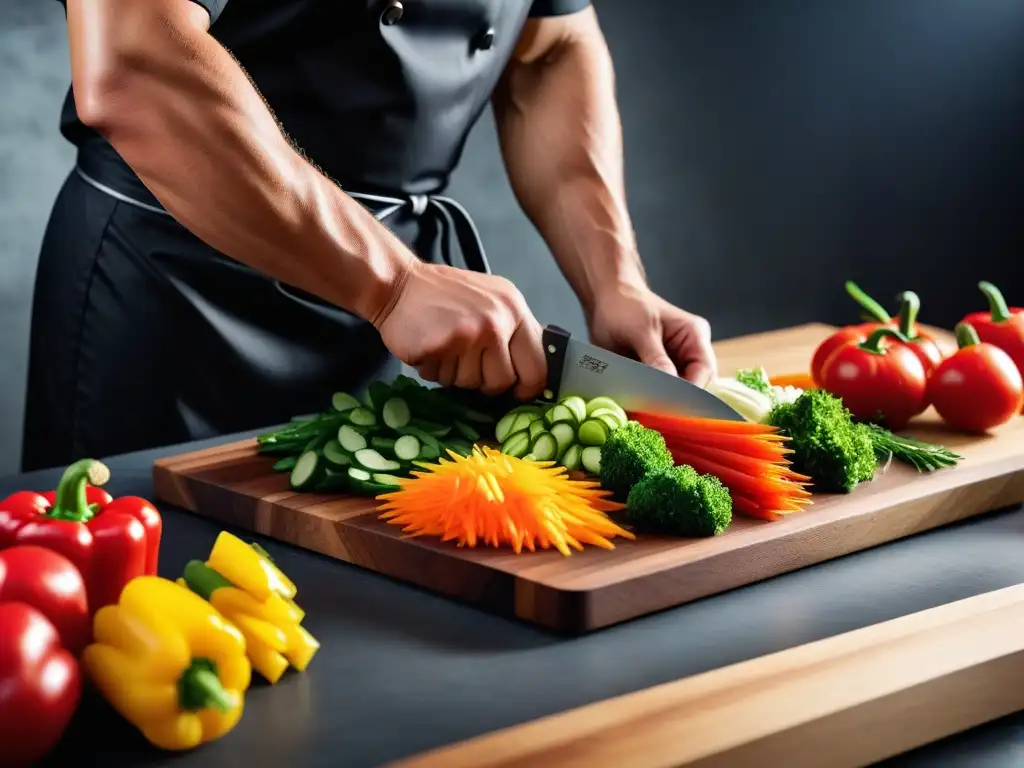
(110, 541)
(850, 334)
(1002, 326)
(921, 344)
(978, 387)
(51, 584)
(877, 381)
(40, 685)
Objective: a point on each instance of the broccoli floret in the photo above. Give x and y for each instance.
(680, 501)
(756, 379)
(631, 452)
(827, 445)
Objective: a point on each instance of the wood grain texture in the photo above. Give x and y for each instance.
(846, 701)
(596, 588)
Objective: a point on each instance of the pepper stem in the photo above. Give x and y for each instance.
(874, 341)
(200, 688)
(910, 306)
(71, 502)
(869, 305)
(966, 336)
(996, 303)
(202, 579)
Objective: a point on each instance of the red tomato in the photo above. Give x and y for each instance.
(879, 382)
(851, 334)
(979, 387)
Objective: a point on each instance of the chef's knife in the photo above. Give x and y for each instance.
(578, 368)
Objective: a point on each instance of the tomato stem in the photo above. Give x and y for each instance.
(869, 305)
(873, 344)
(909, 307)
(71, 502)
(966, 336)
(996, 303)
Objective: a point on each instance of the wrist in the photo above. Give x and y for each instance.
(386, 281)
(628, 281)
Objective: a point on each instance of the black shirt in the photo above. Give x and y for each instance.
(380, 107)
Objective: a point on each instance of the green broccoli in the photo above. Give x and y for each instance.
(755, 379)
(631, 452)
(680, 501)
(827, 445)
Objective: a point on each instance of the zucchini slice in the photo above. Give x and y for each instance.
(590, 459)
(372, 461)
(396, 413)
(343, 402)
(309, 470)
(593, 432)
(351, 439)
(407, 448)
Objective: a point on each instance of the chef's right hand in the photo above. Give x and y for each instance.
(465, 329)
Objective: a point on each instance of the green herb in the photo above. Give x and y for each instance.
(924, 457)
(756, 379)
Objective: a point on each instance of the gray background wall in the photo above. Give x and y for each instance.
(774, 149)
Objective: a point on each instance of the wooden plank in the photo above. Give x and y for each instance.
(846, 701)
(596, 588)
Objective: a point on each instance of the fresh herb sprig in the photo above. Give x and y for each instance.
(924, 457)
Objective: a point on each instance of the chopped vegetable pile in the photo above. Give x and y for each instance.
(680, 501)
(631, 453)
(500, 500)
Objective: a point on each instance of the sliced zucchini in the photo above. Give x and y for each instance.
(423, 436)
(536, 428)
(565, 435)
(504, 426)
(590, 459)
(518, 445)
(521, 423)
(533, 411)
(613, 418)
(577, 406)
(544, 447)
(351, 439)
(593, 432)
(383, 445)
(396, 413)
(287, 464)
(406, 448)
(334, 480)
(431, 427)
(362, 417)
(336, 455)
(343, 402)
(358, 475)
(467, 431)
(560, 414)
(598, 403)
(389, 481)
(372, 461)
(379, 392)
(571, 457)
(309, 470)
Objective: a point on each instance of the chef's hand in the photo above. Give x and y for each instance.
(465, 329)
(633, 321)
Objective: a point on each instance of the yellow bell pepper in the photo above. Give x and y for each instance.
(169, 663)
(243, 584)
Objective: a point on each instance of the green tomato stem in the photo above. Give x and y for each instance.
(869, 305)
(910, 306)
(996, 303)
(873, 344)
(966, 336)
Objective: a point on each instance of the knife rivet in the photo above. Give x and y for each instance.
(552, 349)
(548, 394)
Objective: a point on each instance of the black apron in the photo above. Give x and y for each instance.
(142, 335)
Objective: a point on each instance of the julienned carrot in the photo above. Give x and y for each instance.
(701, 426)
(799, 380)
(744, 463)
(751, 508)
(755, 448)
(735, 480)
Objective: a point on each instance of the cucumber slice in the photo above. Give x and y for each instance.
(336, 455)
(372, 461)
(343, 401)
(389, 481)
(407, 448)
(578, 407)
(533, 411)
(544, 447)
(571, 458)
(431, 427)
(308, 471)
(522, 422)
(590, 458)
(565, 435)
(423, 436)
(287, 464)
(362, 417)
(560, 414)
(610, 416)
(597, 403)
(593, 432)
(379, 392)
(396, 413)
(504, 426)
(334, 480)
(351, 439)
(467, 431)
(517, 445)
(359, 475)
(535, 429)
(383, 445)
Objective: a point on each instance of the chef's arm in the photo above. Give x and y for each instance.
(561, 140)
(182, 113)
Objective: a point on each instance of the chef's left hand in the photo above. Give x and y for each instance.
(632, 320)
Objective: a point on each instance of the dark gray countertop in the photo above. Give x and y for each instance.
(401, 670)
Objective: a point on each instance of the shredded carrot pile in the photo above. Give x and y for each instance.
(750, 460)
(499, 500)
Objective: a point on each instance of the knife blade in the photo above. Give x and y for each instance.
(578, 368)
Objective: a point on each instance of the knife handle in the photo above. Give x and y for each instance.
(556, 344)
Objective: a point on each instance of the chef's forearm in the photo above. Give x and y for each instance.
(561, 139)
(183, 114)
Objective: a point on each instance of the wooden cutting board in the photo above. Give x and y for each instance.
(595, 588)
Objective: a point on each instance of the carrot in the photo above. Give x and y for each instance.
(751, 508)
(755, 448)
(744, 463)
(799, 380)
(701, 426)
(735, 480)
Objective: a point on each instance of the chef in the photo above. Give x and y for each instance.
(256, 214)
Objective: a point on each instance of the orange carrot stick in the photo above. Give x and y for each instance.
(751, 466)
(734, 480)
(799, 380)
(751, 508)
(700, 425)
